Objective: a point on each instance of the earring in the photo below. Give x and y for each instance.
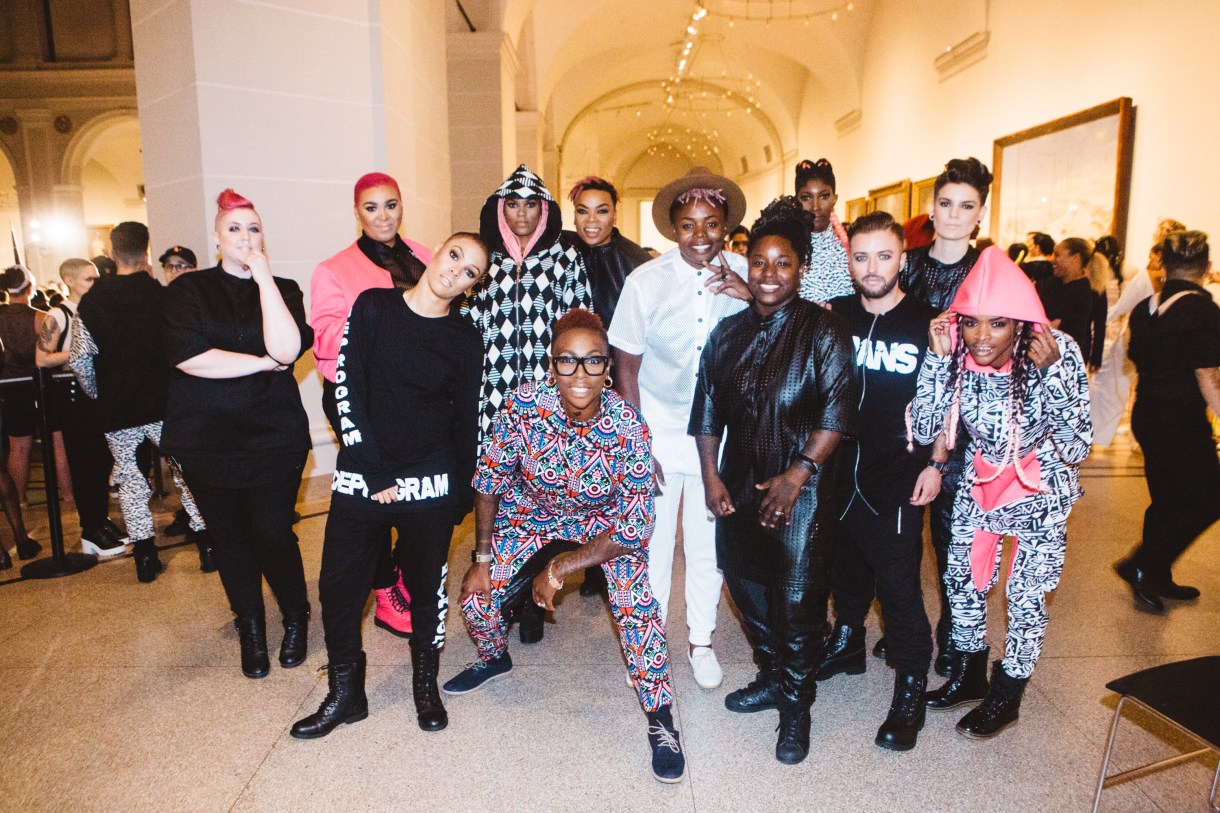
(609, 383)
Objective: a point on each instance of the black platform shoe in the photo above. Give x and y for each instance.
(345, 702)
(907, 712)
(760, 694)
(429, 710)
(967, 682)
(1000, 709)
(252, 633)
(295, 643)
(844, 653)
(792, 746)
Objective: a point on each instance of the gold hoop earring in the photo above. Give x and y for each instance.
(609, 383)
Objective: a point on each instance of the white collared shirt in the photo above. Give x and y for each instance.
(665, 315)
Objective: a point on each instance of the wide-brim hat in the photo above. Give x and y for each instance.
(698, 178)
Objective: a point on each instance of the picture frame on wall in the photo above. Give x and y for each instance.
(856, 208)
(1068, 177)
(894, 198)
(922, 194)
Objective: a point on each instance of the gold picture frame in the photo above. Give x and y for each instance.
(856, 208)
(894, 198)
(922, 195)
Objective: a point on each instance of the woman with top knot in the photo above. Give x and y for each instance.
(826, 275)
(1021, 391)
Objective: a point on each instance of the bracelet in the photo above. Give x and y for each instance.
(939, 465)
(280, 363)
(477, 558)
(808, 462)
(550, 576)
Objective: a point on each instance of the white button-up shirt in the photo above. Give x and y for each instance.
(665, 315)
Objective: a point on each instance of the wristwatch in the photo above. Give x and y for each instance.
(807, 462)
(939, 465)
(481, 558)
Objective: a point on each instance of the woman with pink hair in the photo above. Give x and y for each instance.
(1021, 391)
(236, 427)
(380, 258)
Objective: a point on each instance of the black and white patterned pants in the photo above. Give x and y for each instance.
(134, 492)
(1035, 572)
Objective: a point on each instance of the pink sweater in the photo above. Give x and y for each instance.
(335, 285)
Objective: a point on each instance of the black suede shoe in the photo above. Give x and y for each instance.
(880, 650)
(594, 583)
(967, 682)
(761, 694)
(792, 746)
(1143, 589)
(1177, 592)
(844, 652)
(533, 619)
(668, 761)
(429, 710)
(1000, 709)
(295, 643)
(907, 712)
(345, 702)
(27, 548)
(252, 634)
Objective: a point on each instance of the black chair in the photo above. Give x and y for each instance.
(1182, 694)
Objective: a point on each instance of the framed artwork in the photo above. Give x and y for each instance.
(856, 207)
(1070, 177)
(895, 199)
(921, 196)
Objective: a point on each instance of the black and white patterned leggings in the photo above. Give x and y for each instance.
(134, 492)
(1035, 572)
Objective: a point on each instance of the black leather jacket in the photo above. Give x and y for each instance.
(608, 266)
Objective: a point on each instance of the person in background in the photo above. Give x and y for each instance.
(1037, 264)
(1075, 299)
(84, 444)
(105, 266)
(177, 260)
(379, 258)
(826, 274)
(1017, 252)
(918, 231)
(738, 241)
(1175, 344)
(609, 257)
(668, 308)
(27, 548)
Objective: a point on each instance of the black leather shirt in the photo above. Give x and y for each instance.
(608, 266)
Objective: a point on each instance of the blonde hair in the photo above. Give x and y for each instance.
(1098, 271)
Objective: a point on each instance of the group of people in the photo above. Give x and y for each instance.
(789, 411)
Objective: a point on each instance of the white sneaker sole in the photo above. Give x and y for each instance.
(673, 781)
(88, 547)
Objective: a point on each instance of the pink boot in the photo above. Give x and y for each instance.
(394, 609)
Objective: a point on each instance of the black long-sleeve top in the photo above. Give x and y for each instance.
(608, 266)
(927, 278)
(1081, 312)
(255, 417)
(407, 390)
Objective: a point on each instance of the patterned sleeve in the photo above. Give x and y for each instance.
(477, 307)
(931, 400)
(577, 293)
(1067, 384)
(637, 508)
(500, 458)
(80, 358)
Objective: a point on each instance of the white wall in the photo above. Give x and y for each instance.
(1046, 59)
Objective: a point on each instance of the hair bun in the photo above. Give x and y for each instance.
(228, 200)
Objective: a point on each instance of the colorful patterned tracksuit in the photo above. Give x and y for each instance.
(559, 479)
(1056, 434)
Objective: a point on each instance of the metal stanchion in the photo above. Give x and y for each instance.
(60, 563)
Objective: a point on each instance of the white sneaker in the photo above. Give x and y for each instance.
(703, 663)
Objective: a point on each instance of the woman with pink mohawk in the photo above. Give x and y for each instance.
(1021, 391)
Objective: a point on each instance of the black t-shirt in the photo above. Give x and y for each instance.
(932, 281)
(1038, 270)
(254, 417)
(1168, 348)
(407, 391)
(1073, 304)
(125, 316)
(889, 349)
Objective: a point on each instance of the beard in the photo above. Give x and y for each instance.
(876, 293)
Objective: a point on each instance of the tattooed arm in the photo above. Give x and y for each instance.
(45, 354)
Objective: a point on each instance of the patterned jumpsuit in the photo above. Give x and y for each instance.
(1055, 436)
(562, 479)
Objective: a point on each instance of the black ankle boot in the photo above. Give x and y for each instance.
(533, 618)
(844, 652)
(148, 566)
(429, 711)
(252, 633)
(345, 702)
(27, 548)
(207, 553)
(792, 746)
(967, 682)
(907, 711)
(999, 710)
(295, 643)
(760, 694)
(943, 664)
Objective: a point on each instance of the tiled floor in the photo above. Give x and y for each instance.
(122, 697)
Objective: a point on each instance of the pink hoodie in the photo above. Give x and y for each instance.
(335, 285)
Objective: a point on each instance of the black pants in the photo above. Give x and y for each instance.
(385, 576)
(1183, 476)
(350, 552)
(941, 520)
(251, 531)
(787, 628)
(89, 459)
(876, 554)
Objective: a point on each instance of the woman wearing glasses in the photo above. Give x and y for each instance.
(568, 460)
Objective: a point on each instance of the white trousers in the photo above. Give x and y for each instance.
(703, 577)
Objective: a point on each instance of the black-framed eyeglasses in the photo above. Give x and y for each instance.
(594, 365)
(178, 266)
